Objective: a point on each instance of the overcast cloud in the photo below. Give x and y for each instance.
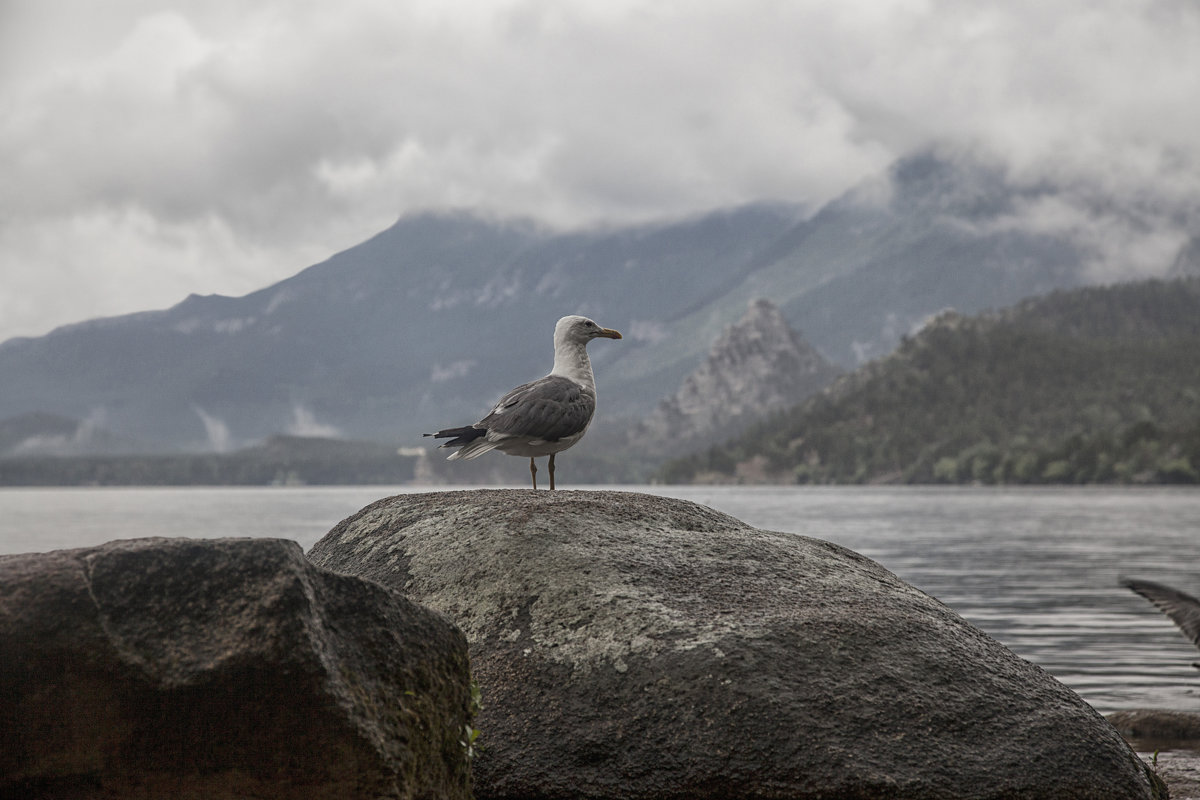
(152, 149)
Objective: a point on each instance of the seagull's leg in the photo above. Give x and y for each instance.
(533, 472)
(552, 470)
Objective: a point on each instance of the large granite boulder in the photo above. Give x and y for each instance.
(232, 668)
(633, 646)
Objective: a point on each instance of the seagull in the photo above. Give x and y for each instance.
(546, 416)
(1182, 608)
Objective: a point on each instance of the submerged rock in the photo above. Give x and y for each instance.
(179, 668)
(1173, 728)
(633, 646)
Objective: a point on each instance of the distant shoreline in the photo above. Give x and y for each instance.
(255, 468)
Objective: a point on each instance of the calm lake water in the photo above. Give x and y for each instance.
(1037, 569)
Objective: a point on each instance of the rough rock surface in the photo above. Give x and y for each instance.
(1179, 769)
(633, 646)
(757, 366)
(156, 668)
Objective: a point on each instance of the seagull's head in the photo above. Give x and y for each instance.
(581, 330)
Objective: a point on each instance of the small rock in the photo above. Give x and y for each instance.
(1165, 728)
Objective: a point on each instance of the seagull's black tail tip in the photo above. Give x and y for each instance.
(458, 436)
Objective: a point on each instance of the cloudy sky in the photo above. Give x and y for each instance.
(154, 148)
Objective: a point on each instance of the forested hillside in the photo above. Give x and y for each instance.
(1093, 385)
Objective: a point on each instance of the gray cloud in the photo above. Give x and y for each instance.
(152, 149)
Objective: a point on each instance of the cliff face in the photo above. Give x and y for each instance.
(755, 367)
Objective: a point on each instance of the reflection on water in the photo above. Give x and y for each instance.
(1036, 569)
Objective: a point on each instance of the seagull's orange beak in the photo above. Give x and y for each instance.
(609, 333)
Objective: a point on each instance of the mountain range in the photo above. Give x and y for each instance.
(1092, 385)
(429, 322)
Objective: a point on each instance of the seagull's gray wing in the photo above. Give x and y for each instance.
(550, 408)
(1182, 608)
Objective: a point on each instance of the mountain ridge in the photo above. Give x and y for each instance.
(440, 314)
(1092, 385)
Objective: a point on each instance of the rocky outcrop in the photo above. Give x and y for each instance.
(755, 367)
(227, 668)
(631, 646)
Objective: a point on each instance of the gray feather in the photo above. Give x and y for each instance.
(550, 408)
